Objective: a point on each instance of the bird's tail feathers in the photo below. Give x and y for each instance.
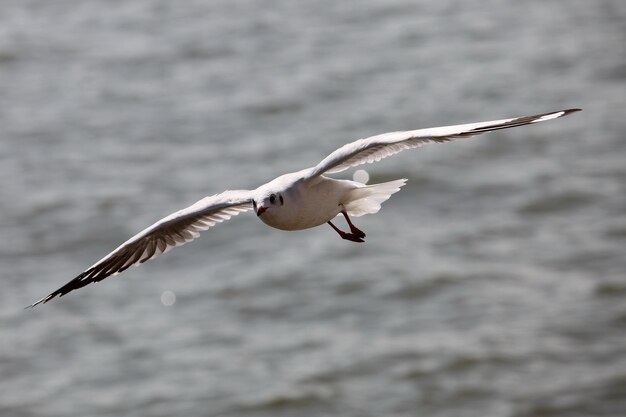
(368, 198)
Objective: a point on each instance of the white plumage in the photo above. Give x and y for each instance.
(294, 201)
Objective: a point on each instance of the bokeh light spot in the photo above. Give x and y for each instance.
(361, 175)
(168, 298)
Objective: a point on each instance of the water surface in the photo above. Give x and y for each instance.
(492, 285)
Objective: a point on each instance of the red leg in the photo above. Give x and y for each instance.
(346, 235)
(355, 230)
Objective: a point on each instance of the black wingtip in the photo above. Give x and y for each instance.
(42, 301)
(556, 114)
(74, 284)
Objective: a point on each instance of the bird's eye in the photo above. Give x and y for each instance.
(272, 198)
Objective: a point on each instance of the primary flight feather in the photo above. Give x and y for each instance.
(294, 201)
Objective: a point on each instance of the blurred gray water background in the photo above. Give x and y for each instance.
(492, 285)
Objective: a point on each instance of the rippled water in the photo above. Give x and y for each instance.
(492, 285)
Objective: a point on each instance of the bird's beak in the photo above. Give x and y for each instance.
(260, 211)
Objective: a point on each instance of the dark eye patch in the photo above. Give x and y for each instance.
(281, 199)
(272, 198)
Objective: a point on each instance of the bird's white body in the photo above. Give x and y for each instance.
(295, 201)
(312, 203)
(306, 204)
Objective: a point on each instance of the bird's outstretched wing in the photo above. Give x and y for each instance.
(375, 148)
(174, 230)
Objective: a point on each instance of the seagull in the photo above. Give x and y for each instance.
(294, 201)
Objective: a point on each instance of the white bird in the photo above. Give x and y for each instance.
(295, 201)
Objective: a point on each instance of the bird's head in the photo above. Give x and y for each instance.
(268, 202)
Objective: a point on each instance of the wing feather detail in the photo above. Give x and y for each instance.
(375, 148)
(172, 231)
